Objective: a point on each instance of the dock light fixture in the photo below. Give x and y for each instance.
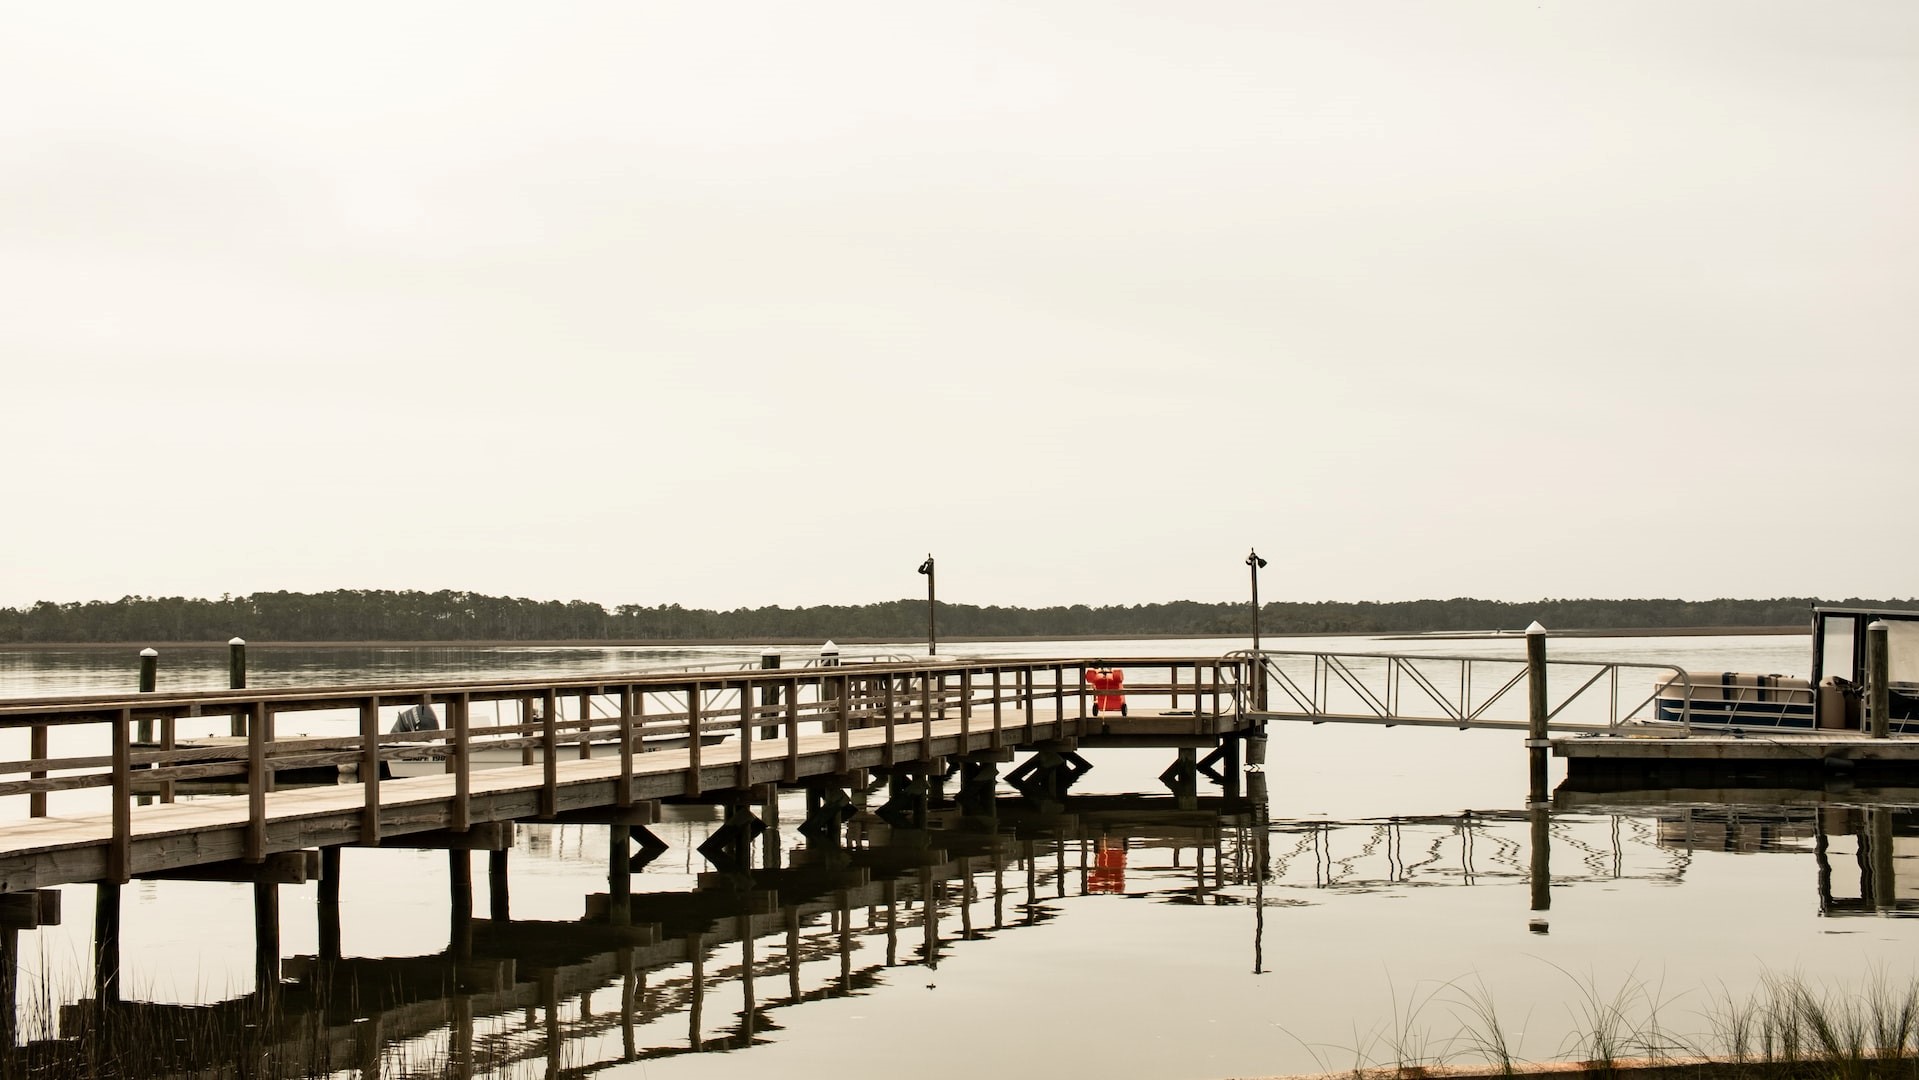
(1255, 563)
(932, 607)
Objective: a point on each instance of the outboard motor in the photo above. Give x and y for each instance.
(417, 718)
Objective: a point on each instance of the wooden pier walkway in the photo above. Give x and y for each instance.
(583, 746)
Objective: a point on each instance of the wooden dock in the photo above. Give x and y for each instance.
(583, 743)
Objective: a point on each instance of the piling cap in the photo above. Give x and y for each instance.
(769, 652)
(1535, 628)
(1877, 624)
(237, 641)
(829, 647)
(149, 652)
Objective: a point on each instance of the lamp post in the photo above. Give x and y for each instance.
(1254, 562)
(932, 604)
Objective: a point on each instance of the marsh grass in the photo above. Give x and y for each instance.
(1786, 1027)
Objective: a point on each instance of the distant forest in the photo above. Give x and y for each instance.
(380, 615)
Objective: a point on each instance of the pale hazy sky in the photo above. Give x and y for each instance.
(753, 303)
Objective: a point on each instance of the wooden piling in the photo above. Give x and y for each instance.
(619, 874)
(119, 849)
(106, 941)
(1878, 684)
(1537, 745)
(328, 903)
(149, 681)
(498, 900)
(370, 771)
(237, 680)
(37, 750)
(266, 937)
(459, 760)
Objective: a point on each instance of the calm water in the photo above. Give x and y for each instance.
(1386, 881)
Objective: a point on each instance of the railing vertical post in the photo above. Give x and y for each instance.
(1172, 680)
(119, 855)
(966, 711)
(623, 796)
(1059, 699)
(550, 755)
(999, 711)
(693, 693)
(586, 724)
(37, 750)
(840, 719)
(887, 716)
(1030, 677)
(1878, 682)
(926, 713)
(1537, 745)
(370, 771)
(745, 774)
(459, 759)
(792, 706)
(256, 728)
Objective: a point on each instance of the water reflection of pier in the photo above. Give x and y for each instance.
(586, 994)
(1470, 848)
(1863, 834)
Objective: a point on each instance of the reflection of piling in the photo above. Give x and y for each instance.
(1542, 873)
(1879, 830)
(696, 949)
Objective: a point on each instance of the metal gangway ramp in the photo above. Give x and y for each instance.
(1464, 692)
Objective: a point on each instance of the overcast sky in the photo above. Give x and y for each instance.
(755, 303)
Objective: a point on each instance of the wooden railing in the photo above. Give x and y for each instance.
(546, 720)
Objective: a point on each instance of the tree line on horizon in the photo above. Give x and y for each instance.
(446, 615)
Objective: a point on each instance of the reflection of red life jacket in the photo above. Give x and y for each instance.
(1108, 683)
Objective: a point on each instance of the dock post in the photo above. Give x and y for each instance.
(149, 680)
(1878, 694)
(459, 882)
(266, 939)
(1537, 745)
(497, 898)
(619, 873)
(106, 941)
(328, 895)
(237, 680)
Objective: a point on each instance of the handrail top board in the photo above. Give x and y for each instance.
(88, 708)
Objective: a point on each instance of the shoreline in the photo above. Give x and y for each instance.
(669, 643)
